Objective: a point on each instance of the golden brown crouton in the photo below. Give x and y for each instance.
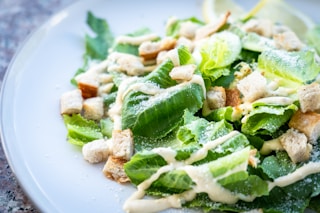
(309, 97)
(149, 50)
(233, 97)
(71, 102)
(114, 170)
(183, 73)
(308, 123)
(216, 97)
(288, 41)
(93, 108)
(296, 145)
(122, 144)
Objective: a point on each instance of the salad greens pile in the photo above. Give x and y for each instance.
(176, 116)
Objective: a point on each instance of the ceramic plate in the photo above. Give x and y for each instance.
(52, 171)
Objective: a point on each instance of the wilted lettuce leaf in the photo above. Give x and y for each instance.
(81, 130)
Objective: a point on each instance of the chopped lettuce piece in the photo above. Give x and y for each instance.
(130, 48)
(313, 38)
(223, 113)
(293, 68)
(106, 127)
(81, 130)
(143, 165)
(220, 51)
(266, 120)
(156, 116)
(257, 43)
(97, 47)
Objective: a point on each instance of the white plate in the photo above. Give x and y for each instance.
(52, 171)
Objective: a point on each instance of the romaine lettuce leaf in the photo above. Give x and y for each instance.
(266, 120)
(130, 48)
(142, 165)
(156, 116)
(81, 130)
(313, 38)
(97, 47)
(220, 51)
(293, 68)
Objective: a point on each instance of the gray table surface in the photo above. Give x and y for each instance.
(18, 18)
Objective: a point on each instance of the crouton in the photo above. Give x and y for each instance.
(105, 78)
(97, 151)
(233, 97)
(122, 144)
(309, 97)
(216, 97)
(149, 50)
(188, 29)
(263, 27)
(93, 108)
(71, 102)
(288, 41)
(105, 89)
(114, 170)
(88, 83)
(253, 86)
(296, 145)
(127, 63)
(307, 123)
(212, 28)
(183, 41)
(183, 73)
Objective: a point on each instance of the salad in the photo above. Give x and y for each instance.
(215, 116)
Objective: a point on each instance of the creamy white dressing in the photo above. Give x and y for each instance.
(144, 87)
(204, 182)
(201, 153)
(201, 175)
(173, 55)
(137, 40)
(299, 174)
(98, 68)
(275, 100)
(115, 110)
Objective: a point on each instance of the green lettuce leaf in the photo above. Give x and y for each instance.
(156, 116)
(266, 120)
(313, 38)
(81, 130)
(220, 51)
(130, 48)
(293, 68)
(143, 165)
(257, 43)
(97, 47)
